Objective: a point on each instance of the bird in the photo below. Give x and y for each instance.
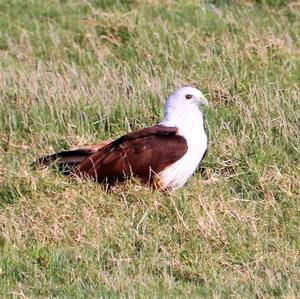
(163, 156)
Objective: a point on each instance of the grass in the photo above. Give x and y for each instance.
(76, 72)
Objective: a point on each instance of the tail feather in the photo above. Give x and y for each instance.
(67, 157)
(68, 160)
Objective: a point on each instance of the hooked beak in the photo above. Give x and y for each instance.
(203, 101)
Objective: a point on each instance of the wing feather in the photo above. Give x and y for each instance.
(141, 153)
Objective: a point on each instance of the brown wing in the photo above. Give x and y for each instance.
(141, 153)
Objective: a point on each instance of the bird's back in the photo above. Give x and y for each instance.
(143, 154)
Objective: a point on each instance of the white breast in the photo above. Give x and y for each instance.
(177, 174)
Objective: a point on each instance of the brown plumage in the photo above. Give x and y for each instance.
(143, 153)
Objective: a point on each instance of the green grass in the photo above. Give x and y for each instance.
(77, 72)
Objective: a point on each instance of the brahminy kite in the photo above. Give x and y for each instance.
(164, 155)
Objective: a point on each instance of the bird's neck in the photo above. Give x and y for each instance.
(188, 121)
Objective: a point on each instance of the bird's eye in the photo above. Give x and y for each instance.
(188, 96)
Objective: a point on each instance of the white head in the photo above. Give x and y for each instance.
(183, 106)
(185, 98)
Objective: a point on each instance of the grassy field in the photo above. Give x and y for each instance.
(77, 72)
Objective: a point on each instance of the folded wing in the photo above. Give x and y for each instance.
(142, 153)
